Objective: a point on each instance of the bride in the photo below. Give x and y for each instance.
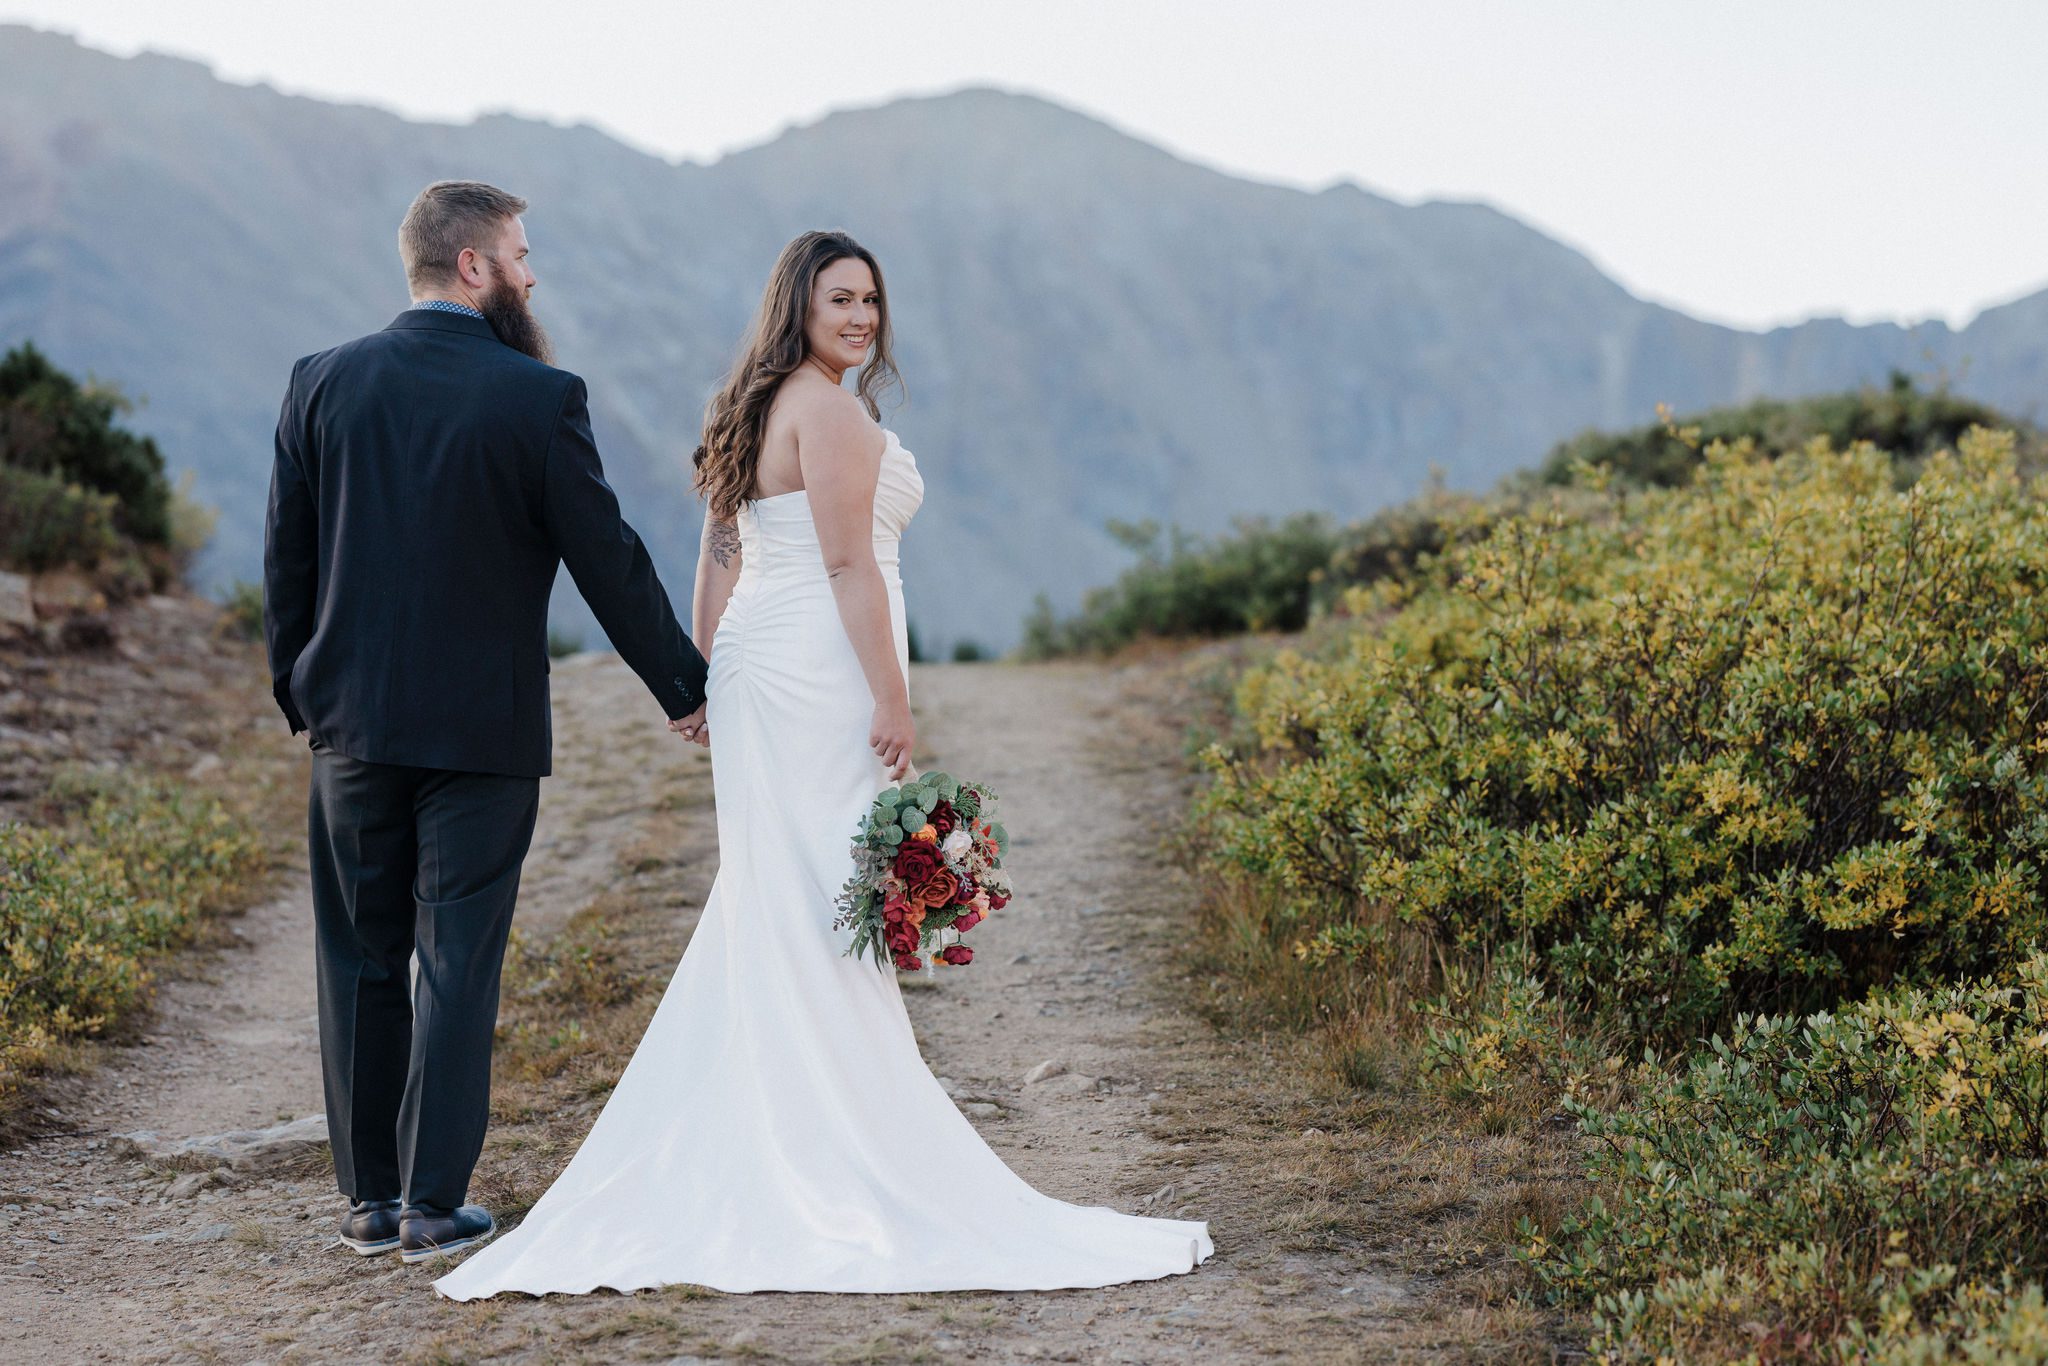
(775, 1130)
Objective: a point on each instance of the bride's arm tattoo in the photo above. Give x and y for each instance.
(724, 540)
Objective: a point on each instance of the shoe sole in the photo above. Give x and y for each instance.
(413, 1255)
(369, 1249)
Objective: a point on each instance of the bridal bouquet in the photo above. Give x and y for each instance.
(927, 867)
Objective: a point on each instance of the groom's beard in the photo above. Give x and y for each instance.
(506, 310)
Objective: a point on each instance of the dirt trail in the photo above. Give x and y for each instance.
(109, 1260)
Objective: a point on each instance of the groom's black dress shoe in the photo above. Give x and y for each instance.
(424, 1231)
(371, 1226)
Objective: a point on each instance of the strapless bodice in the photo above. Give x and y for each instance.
(777, 534)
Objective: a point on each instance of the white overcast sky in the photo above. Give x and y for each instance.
(1752, 162)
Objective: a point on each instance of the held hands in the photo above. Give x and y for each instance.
(892, 736)
(693, 728)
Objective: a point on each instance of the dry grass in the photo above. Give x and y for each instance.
(161, 725)
(1353, 1152)
(574, 1007)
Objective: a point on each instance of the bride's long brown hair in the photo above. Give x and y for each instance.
(773, 348)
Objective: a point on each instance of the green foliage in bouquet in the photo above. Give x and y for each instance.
(898, 813)
(1867, 1186)
(1770, 740)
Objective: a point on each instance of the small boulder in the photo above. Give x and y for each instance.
(188, 1185)
(1045, 1071)
(17, 604)
(245, 1152)
(1071, 1083)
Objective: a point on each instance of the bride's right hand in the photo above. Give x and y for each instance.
(892, 736)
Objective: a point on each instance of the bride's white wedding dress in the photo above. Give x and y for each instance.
(777, 1128)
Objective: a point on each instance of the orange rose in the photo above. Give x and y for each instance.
(937, 890)
(928, 834)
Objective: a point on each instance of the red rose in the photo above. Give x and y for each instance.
(943, 819)
(967, 921)
(938, 890)
(916, 861)
(909, 962)
(996, 903)
(959, 955)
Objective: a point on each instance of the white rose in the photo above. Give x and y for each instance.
(956, 845)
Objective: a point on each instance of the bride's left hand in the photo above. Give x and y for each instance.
(693, 728)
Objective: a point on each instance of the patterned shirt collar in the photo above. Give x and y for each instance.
(445, 306)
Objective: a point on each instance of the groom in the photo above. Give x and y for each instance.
(429, 479)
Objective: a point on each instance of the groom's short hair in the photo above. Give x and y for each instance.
(448, 216)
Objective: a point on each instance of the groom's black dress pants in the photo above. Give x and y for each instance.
(411, 861)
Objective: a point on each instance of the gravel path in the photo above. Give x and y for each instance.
(114, 1257)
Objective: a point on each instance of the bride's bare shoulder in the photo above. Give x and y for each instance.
(823, 414)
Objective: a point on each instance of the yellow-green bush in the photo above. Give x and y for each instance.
(1868, 1185)
(1901, 418)
(83, 907)
(1761, 742)
(46, 523)
(1499, 1031)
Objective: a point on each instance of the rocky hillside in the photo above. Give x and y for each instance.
(1090, 328)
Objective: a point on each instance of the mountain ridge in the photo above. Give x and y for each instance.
(1091, 327)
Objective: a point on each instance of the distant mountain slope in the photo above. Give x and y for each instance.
(1089, 327)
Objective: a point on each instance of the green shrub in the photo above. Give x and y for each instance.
(1871, 1185)
(191, 526)
(63, 922)
(1258, 578)
(1901, 419)
(51, 424)
(243, 615)
(1399, 543)
(1775, 738)
(46, 523)
(82, 909)
(1497, 1031)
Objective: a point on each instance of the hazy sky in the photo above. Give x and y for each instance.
(1749, 162)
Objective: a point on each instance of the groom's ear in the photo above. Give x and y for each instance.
(472, 269)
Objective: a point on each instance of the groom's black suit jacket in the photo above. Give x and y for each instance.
(428, 481)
